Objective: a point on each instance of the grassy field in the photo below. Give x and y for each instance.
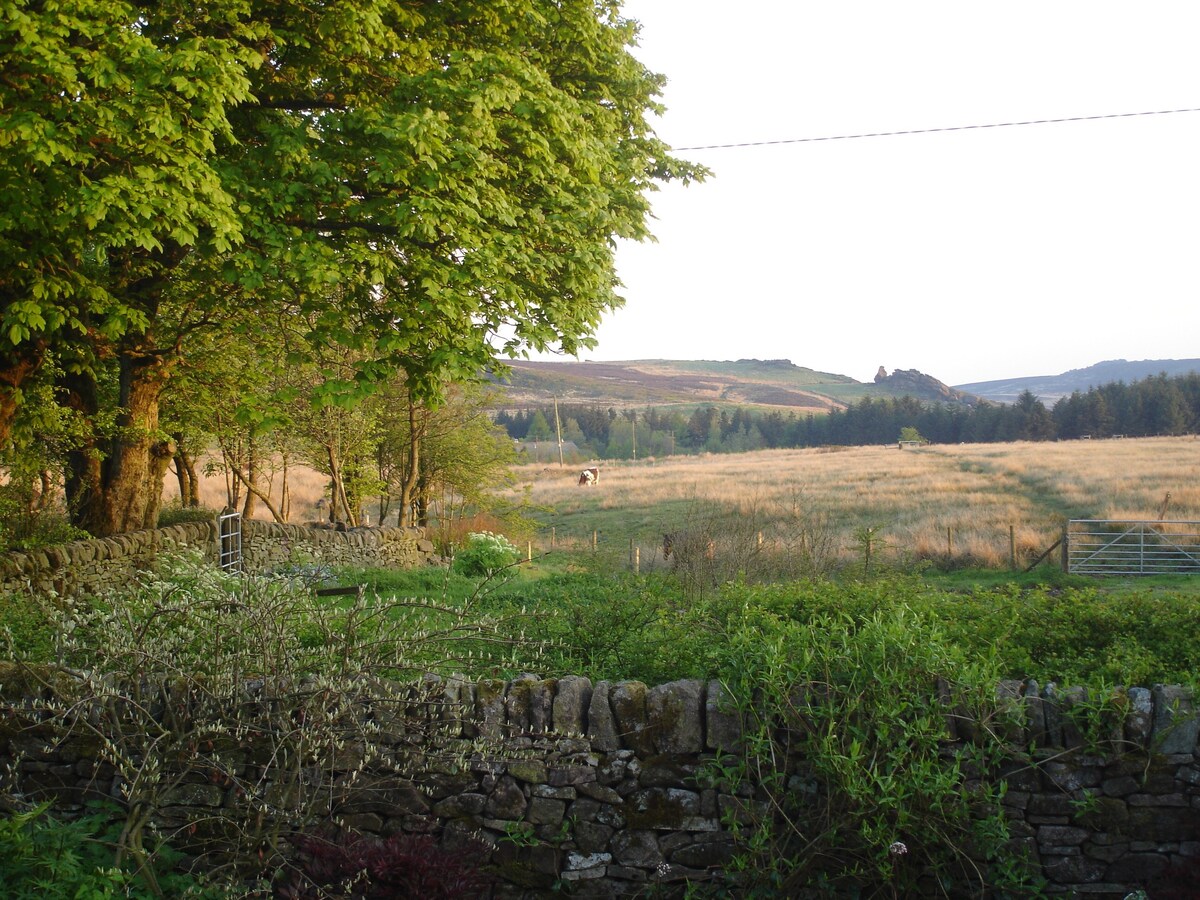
(951, 503)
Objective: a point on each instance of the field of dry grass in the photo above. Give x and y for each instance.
(305, 489)
(950, 502)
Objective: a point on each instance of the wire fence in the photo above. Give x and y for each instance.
(810, 548)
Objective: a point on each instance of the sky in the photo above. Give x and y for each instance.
(970, 255)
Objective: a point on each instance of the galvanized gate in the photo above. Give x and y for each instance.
(1116, 547)
(230, 529)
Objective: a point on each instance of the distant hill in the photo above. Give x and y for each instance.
(1050, 388)
(769, 383)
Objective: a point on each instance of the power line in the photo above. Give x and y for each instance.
(875, 134)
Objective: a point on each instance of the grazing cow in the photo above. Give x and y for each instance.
(589, 476)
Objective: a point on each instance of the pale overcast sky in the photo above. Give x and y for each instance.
(970, 255)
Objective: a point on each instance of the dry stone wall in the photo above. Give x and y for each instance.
(269, 545)
(601, 788)
(103, 564)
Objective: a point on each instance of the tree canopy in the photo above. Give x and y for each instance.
(423, 185)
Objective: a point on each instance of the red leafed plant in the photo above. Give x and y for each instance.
(362, 867)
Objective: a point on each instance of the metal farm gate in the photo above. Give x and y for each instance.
(230, 530)
(1116, 547)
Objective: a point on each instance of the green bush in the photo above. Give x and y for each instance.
(27, 626)
(846, 730)
(1079, 635)
(45, 858)
(175, 513)
(22, 528)
(170, 682)
(485, 555)
(42, 857)
(609, 626)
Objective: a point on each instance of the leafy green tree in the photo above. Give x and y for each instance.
(620, 439)
(422, 186)
(573, 433)
(461, 458)
(539, 428)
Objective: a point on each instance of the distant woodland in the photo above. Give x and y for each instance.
(1154, 406)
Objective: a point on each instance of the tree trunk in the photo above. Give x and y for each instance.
(42, 493)
(161, 454)
(338, 485)
(232, 457)
(185, 470)
(182, 477)
(83, 482)
(253, 490)
(127, 472)
(408, 484)
(16, 367)
(422, 511)
(285, 494)
(251, 480)
(385, 492)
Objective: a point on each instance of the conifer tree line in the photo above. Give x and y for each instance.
(1159, 405)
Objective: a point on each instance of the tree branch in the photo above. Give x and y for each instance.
(300, 104)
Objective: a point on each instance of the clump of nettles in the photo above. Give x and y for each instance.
(485, 554)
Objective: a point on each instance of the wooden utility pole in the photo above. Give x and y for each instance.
(558, 431)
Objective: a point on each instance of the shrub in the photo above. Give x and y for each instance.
(612, 626)
(24, 526)
(45, 858)
(175, 513)
(359, 867)
(27, 626)
(485, 555)
(42, 857)
(1078, 635)
(192, 671)
(845, 732)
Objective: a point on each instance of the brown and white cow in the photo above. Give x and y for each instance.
(590, 476)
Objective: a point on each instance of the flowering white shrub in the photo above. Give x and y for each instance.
(485, 554)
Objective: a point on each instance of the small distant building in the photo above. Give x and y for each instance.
(546, 451)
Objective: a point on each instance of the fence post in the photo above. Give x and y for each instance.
(529, 551)
(949, 544)
(1066, 555)
(552, 537)
(1012, 547)
(593, 541)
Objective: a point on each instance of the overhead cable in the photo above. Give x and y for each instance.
(875, 134)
